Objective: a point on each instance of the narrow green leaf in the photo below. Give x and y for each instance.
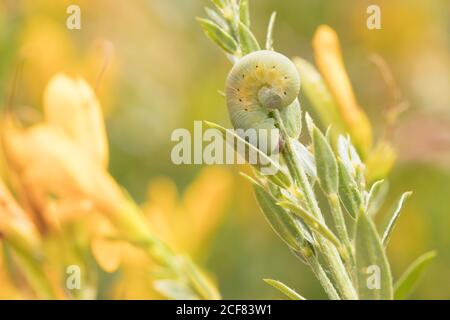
(327, 169)
(388, 231)
(280, 178)
(292, 119)
(244, 12)
(309, 124)
(200, 281)
(328, 134)
(306, 158)
(348, 155)
(219, 3)
(269, 37)
(218, 35)
(373, 271)
(247, 40)
(348, 191)
(376, 197)
(311, 221)
(408, 280)
(279, 219)
(215, 17)
(250, 179)
(280, 286)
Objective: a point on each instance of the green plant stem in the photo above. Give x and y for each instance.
(329, 251)
(33, 271)
(337, 268)
(341, 228)
(133, 226)
(321, 275)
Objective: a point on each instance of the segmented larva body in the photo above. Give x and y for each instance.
(258, 83)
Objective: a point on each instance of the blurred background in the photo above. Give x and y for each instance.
(163, 74)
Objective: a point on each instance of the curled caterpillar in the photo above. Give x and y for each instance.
(258, 83)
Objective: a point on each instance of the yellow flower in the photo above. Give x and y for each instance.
(52, 168)
(198, 212)
(331, 65)
(71, 106)
(61, 168)
(61, 162)
(185, 223)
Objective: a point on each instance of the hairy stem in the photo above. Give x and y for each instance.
(329, 251)
(339, 221)
(321, 275)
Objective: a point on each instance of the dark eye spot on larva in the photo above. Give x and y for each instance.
(240, 100)
(273, 67)
(243, 76)
(285, 93)
(256, 66)
(245, 109)
(238, 90)
(285, 77)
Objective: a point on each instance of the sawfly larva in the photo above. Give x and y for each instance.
(259, 83)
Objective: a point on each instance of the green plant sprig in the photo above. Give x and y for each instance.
(228, 27)
(352, 264)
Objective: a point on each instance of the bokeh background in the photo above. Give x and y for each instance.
(163, 74)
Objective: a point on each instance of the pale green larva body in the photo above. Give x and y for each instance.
(260, 82)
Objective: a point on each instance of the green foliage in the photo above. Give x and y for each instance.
(280, 178)
(231, 31)
(218, 35)
(281, 220)
(311, 221)
(371, 262)
(408, 280)
(388, 231)
(376, 197)
(353, 264)
(269, 37)
(244, 12)
(280, 286)
(348, 191)
(247, 40)
(327, 169)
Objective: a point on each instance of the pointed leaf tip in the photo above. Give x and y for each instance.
(408, 280)
(327, 169)
(373, 270)
(218, 35)
(280, 286)
(393, 221)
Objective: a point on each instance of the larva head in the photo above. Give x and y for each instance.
(263, 78)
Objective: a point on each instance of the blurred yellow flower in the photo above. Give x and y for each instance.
(187, 223)
(59, 168)
(51, 168)
(71, 106)
(331, 65)
(61, 162)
